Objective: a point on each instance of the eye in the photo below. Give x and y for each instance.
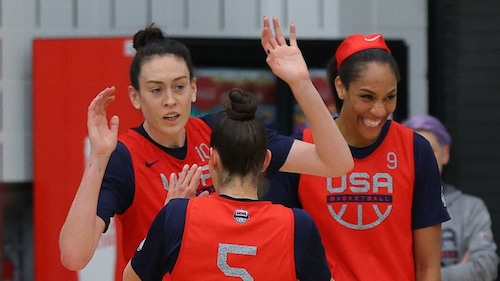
(367, 97)
(156, 90)
(391, 97)
(180, 87)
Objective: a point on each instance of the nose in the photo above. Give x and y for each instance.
(378, 109)
(169, 99)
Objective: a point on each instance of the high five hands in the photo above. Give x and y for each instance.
(186, 184)
(286, 61)
(102, 135)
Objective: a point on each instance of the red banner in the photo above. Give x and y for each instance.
(67, 74)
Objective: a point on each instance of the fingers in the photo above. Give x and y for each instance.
(277, 30)
(114, 124)
(103, 99)
(293, 35)
(194, 174)
(266, 36)
(188, 178)
(204, 194)
(185, 185)
(270, 41)
(182, 174)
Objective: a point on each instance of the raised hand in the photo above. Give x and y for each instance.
(187, 183)
(103, 136)
(286, 61)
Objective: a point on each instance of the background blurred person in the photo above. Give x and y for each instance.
(468, 251)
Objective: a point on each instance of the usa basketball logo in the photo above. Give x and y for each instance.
(360, 201)
(241, 216)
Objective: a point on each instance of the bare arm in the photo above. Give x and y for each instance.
(330, 155)
(427, 252)
(129, 273)
(82, 229)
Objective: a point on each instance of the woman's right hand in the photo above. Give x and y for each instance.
(103, 136)
(185, 185)
(285, 60)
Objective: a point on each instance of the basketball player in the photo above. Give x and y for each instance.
(382, 220)
(128, 177)
(231, 235)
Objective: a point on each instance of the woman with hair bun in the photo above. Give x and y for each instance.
(242, 237)
(131, 175)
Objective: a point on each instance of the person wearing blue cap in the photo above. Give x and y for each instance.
(468, 251)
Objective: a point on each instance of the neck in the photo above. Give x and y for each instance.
(239, 188)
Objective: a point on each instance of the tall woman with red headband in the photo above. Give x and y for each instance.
(382, 220)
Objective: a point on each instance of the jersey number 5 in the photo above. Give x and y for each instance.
(224, 250)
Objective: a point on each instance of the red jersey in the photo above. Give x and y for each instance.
(152, 169)
(365, 216)
(253, 240)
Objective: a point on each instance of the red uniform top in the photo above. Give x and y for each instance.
(253, 240)
(152, 168)
(365, 216)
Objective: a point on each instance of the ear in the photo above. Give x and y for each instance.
(194, 89)
(134, 97)
(267, 160)
(446, 154)
(214, 159)
(339, 86)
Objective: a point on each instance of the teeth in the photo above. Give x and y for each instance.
(171, 116)
(371, 123)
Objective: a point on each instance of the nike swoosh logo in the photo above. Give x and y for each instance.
(149, 164)
(373, 38)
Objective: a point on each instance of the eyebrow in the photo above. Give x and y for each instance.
(160, 82)
(373, 93)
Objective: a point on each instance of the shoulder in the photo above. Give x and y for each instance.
(302, 218)
(420, 141)
(472, 200)
(120, 157)
(209, 119)
(201, 122)
(173, 215)
(176, 204)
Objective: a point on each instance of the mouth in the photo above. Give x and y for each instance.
(372, 123)
(171, 116)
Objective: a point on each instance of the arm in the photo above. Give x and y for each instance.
(330, 155)
(481, 261)
(427, 253)
(82, 229)
(157, 254)
(129, 273)
(310, 259)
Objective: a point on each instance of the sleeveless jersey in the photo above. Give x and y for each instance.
(152, 169)
(253, 241)
(367, 211)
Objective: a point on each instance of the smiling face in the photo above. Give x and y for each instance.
(165, 94)
(367, 104)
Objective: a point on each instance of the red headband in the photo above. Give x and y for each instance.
(358, 42)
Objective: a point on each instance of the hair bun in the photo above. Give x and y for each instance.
(144, 36)
(243, 105)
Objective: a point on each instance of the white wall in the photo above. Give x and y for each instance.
(23, 20)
